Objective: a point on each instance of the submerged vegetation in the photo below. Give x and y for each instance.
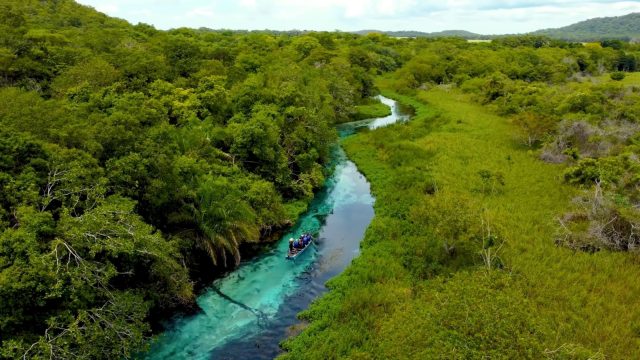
(135, 164)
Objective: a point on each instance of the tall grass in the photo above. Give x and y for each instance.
(420, 288)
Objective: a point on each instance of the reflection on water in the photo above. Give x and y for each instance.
(246, 313)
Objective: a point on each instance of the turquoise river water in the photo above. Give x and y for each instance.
(246, 313)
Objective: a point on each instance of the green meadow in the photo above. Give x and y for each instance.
(629, 79)
(498, 287)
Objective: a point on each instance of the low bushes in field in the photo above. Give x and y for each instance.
(617, 75)
(600, 223)
(608, 216)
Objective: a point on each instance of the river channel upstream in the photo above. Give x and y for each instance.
(246, 313)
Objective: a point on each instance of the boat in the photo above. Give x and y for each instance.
(297, 252)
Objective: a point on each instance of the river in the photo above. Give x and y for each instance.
(246, 313)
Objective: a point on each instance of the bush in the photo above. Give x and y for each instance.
(617, 75)
(456, 227)
(601, 224)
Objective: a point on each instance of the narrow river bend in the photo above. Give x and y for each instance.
(246, 313)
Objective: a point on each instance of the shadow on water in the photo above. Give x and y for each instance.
(261, 316)
(247, 313)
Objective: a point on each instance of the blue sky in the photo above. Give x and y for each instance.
(482, 16)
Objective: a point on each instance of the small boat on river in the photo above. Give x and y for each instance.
(297, 247)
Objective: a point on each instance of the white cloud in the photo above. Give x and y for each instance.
(201, 12)
(107, 8)
(386, 7)
(356, 8)
(250, 4)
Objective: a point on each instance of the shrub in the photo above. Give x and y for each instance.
(456, 226)
(492, 182)
(533, 127)
(600, 224)
(617, 75)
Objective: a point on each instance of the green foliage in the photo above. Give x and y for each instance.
(608, 171)
(370, 111)
(600, 222)
(492, 182)
(534, 41)
(617, 75)
(132, 160)
(455, 273)
(73, 277)
(224, 219)
(614, 28)
(115, 330)
(534, 127)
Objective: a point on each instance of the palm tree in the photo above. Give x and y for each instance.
(224, 220)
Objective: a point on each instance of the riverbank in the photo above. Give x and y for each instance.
(246, 313)
(460, 259)
(370, 108)
(370, 111)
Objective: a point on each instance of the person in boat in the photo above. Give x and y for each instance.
(303, 241)
(306, 239)
(297, 244)
(291, 245)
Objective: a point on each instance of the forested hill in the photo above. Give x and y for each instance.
(447, 33)
(134, 162)
(625, 27)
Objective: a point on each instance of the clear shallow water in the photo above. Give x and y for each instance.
(246, 313)
(398, 114)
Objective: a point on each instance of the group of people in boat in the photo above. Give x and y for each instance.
(300, 243)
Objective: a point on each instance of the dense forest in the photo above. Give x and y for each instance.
(136, 164)
(439, 34)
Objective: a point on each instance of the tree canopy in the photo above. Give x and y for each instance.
(137, 163)
(134, 163)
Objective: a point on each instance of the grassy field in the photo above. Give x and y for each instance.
(632, 78)
(421, 288)
(582, 294)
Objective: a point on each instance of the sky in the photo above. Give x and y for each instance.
(480, 16)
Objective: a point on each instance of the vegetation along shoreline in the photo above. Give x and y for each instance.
(140, 166)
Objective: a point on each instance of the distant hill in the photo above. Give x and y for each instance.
(447, 33)
(625, 27)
